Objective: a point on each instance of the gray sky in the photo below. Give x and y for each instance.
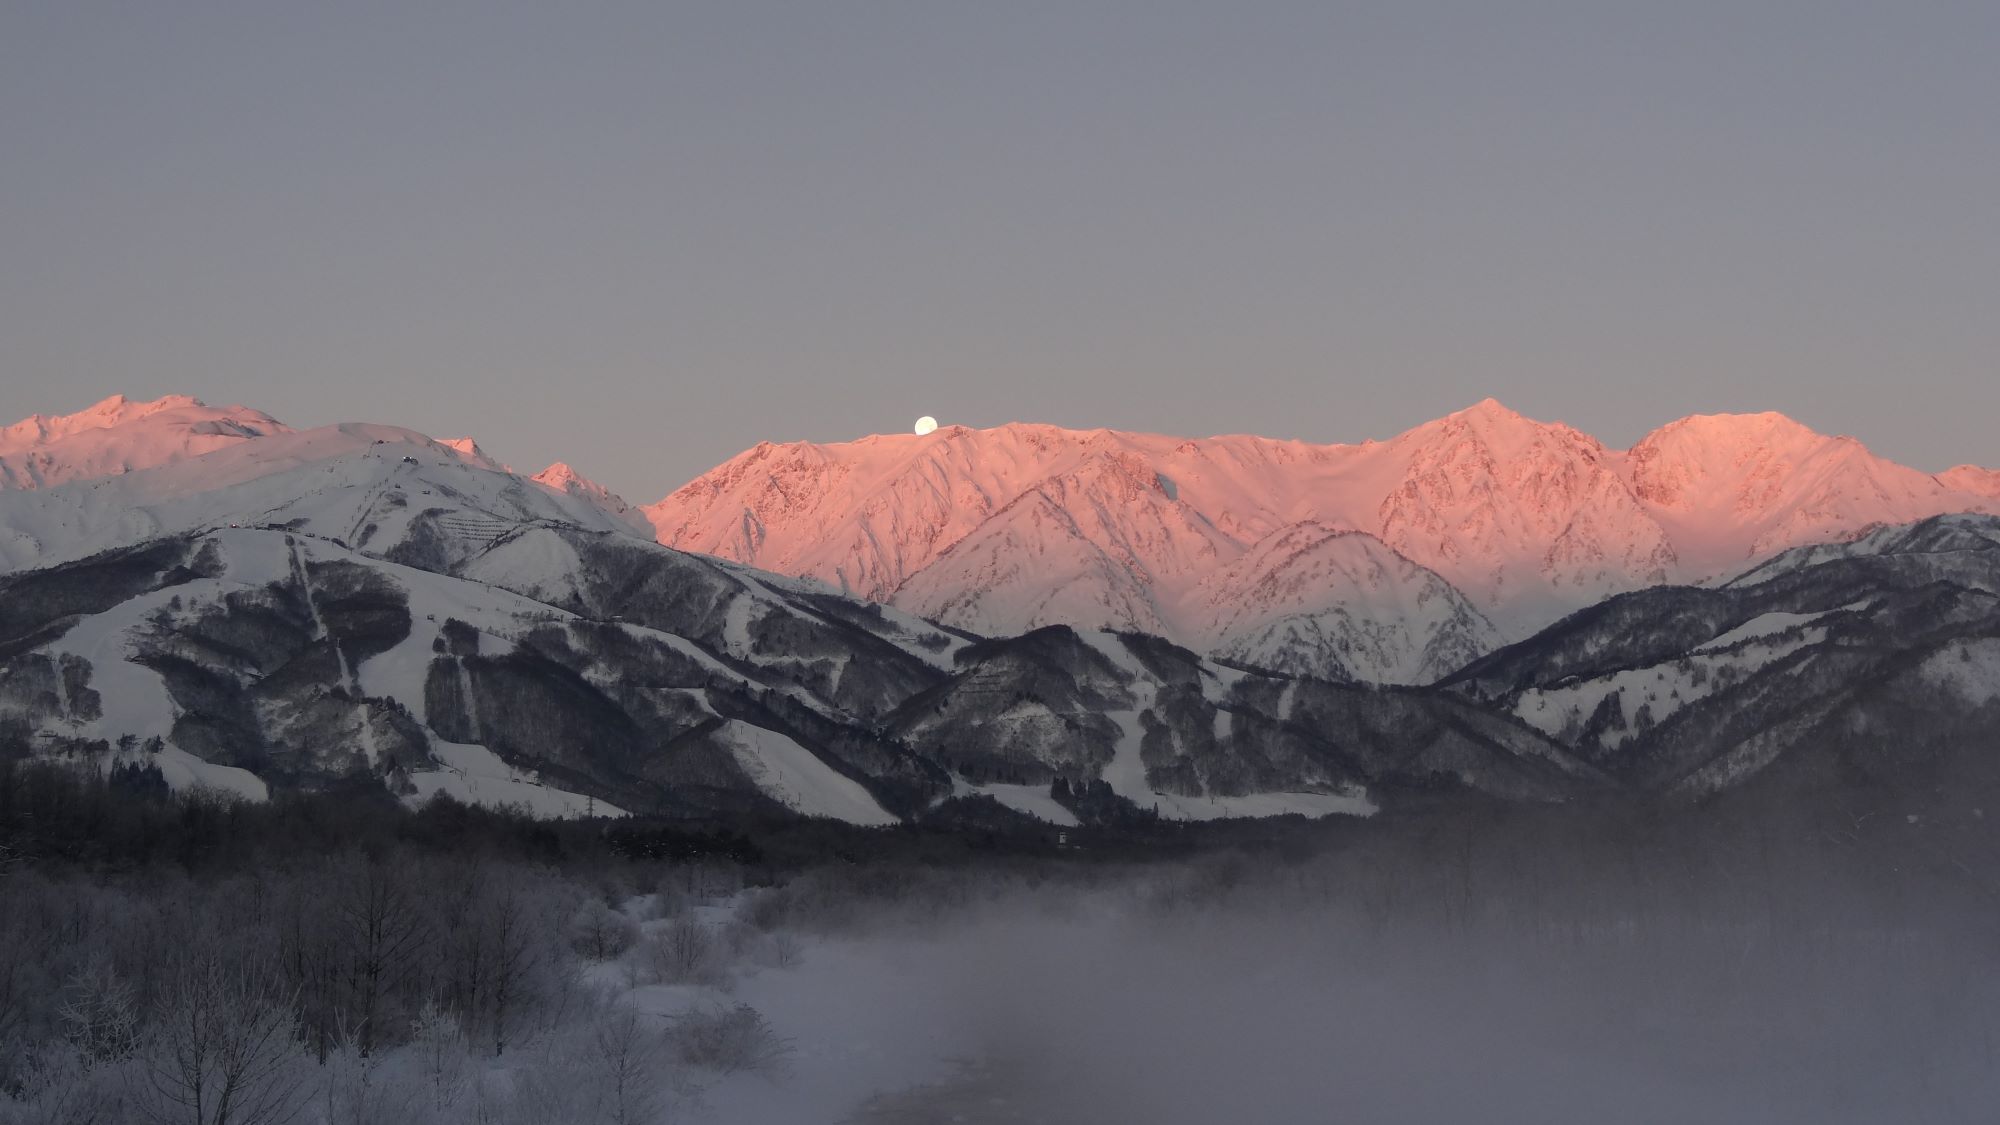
(641, 237)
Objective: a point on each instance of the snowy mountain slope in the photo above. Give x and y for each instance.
(1972, 478)
(1529, 520)
(296, 662)
(1523, 516)
(848, 658)
(398, 495)
(469, 449)
(559, 477)
(1310, 600)
(1185, 738)
(367, 485)
(1952, 548)
(261, 658)
(1737, 487)
(1822, 666)
(118, 435)
(1031, 565)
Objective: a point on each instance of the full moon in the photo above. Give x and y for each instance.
(926, 424)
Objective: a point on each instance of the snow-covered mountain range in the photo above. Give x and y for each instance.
(244, 605)
(1478, 526)
(1167, 628)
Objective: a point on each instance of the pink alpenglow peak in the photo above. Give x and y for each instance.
(560, 478)
(118, 435)
(469, 449)
(122, 472)
(1473, 528)
(1972, 478)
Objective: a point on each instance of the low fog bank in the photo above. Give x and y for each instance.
(1519, 973)
(1309, 1011)
(356, 963)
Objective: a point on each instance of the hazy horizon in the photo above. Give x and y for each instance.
(643, 238)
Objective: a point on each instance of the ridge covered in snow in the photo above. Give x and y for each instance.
(1392, 561)
(1006, 529)
(1972, 478)
(366, 485)
(560, 477)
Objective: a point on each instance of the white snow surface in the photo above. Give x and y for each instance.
(1970, 670)
(796, 778)
(736, 625)
(357, 483)
(1309, 599)
(1763, 625)
(562, 479)
(1033, 800)
(477, 776)
(1250, 805)
(185, 773)
(535, 561)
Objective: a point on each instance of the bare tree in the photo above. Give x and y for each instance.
(16, 987)
(359, 1089)
(631, 1063)
(440, 1048)
(64, 1088)
(99, 1013)
(223, 1049)
(463, 963)
(615, 1069)
(509, 925)
(600, 932)
(729, 1040)
(380, 933)
(498, 950)
(307, 950)
(684, 952)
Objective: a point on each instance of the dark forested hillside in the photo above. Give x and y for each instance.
(1872, 666)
